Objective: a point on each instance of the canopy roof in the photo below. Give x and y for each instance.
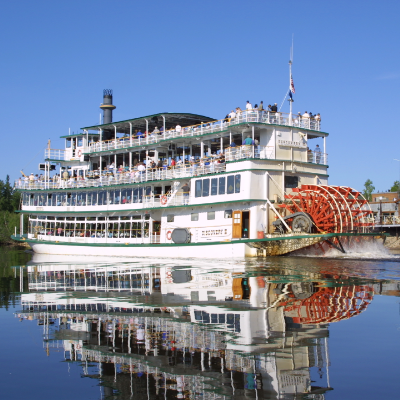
(171, 120)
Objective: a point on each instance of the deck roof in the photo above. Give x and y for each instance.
(171, 120)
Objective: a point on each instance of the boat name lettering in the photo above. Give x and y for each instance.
(289, 143)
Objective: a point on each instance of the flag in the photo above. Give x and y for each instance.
(292, 85)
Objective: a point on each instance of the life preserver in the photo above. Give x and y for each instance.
(169, 235)
(164, 200)
(79, 153)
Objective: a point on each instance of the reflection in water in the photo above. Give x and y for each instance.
(167, 330)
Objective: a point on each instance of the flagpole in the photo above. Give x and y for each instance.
(290, 88)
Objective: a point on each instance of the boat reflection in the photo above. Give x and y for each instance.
(167, 330)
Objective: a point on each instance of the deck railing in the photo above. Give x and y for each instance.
(266, 117)
(109, 179)
(106, 178)
(54, 154)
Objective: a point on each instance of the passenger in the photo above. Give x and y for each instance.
(274, 108)
(178, 129)
(173, 163)
(317, 154)
(318, 117)
(232, 115)
(261, 106)
(139, 134)
(226, 119)
(248, 141)
(249, 107)
(306, 115)
(156, 131)
(186, 192)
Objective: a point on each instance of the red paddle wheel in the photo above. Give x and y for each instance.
(329, 304)
(333, 209)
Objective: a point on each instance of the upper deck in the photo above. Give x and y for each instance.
(268, 149)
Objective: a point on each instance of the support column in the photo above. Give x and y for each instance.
(221, 145)
(130, 134)
(21, 224)
(201, 149)
(252, 137)
(130, 161)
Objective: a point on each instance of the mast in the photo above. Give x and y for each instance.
(290, 85)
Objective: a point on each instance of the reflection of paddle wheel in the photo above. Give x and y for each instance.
(333, 209)
(328, 304)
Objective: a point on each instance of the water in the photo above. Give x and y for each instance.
(279, 328)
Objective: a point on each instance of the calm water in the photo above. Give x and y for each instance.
(281, 328)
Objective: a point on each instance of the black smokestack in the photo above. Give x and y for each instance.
(107, 106)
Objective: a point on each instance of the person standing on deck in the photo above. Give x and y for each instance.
(317, 154)
(186, 192)
(249, 107)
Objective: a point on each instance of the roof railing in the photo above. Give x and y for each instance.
(266, 117)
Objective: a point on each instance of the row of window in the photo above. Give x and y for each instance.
(215, 186)
(92, 198)
(91, 219)
(93, 230)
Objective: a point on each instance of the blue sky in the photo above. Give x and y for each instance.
(203, 57)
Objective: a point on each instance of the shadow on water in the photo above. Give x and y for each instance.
(9, 277)
(185, 329)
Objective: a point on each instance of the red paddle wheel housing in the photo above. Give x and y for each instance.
(333, 209)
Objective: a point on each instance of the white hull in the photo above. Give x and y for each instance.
(206, 251)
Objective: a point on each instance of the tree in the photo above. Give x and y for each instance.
(395, 187)
(369, 188)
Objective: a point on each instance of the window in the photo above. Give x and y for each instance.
(80, 142)
(291, 181)
(170, 218)
(237, 183)
(194, 216)
(214, 186)
(228, 214)
(198, 188)
(211, 215)
(231, 183)
(68, 143)
(221, 185)
(206, 187)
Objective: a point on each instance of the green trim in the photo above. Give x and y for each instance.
(162, 140)
(78, 134)
(85, 189)
(277, 159)
(134, 209)
(238, 241)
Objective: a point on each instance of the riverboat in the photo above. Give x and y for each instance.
(187, 185)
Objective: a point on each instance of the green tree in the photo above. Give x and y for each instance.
(395, 187)
(369, 188)
(9, 203)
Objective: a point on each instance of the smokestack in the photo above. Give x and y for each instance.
(107, 106)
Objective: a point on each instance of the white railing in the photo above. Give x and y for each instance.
(54, 154)
(266, 117)
(94, 179)
(317, 157)
(249, 151)
(125, 177)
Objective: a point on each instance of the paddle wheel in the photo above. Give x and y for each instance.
(328, 304)
(326, 209)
